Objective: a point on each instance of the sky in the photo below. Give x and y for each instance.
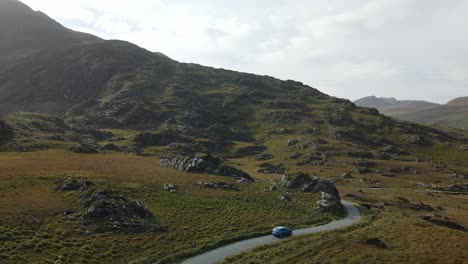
(407, 49)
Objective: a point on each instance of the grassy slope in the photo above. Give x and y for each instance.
(410, 239)
(198, 219)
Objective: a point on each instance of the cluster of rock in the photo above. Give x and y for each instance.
(430, 186)
(328, 203)
(329, 197)
(91, 147)
(105, 211)
(217, 185)
(204, 164)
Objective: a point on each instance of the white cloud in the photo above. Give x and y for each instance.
(409, 49)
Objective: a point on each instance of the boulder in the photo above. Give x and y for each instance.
(204, 164)
(304, 182)
(328, 203)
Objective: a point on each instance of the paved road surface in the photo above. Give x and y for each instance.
(217, 255)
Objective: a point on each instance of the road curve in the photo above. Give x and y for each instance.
(217, 255)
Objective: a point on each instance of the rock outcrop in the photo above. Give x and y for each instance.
(204, 164)
(304, 182)
(329, 197)
(459, 187)
(328, 203)
(105, 211)
(442, 221)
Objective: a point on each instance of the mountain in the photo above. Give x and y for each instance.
(391, 106)
(110, 153)
(453, 114)
(460, 101)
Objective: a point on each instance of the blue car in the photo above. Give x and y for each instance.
(281, 231)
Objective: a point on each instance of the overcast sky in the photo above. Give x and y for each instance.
(408, 49)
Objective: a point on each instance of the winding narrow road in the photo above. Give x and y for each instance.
(217, 255)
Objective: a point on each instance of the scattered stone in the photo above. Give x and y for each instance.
(268, 168)
(429, 186)
(218, 185)
(204, 164)
(172, 188)
(442, 221)
(347, 175)
(376, 242)
(457, 175)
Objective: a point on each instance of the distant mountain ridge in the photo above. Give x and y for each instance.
(453, 114)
